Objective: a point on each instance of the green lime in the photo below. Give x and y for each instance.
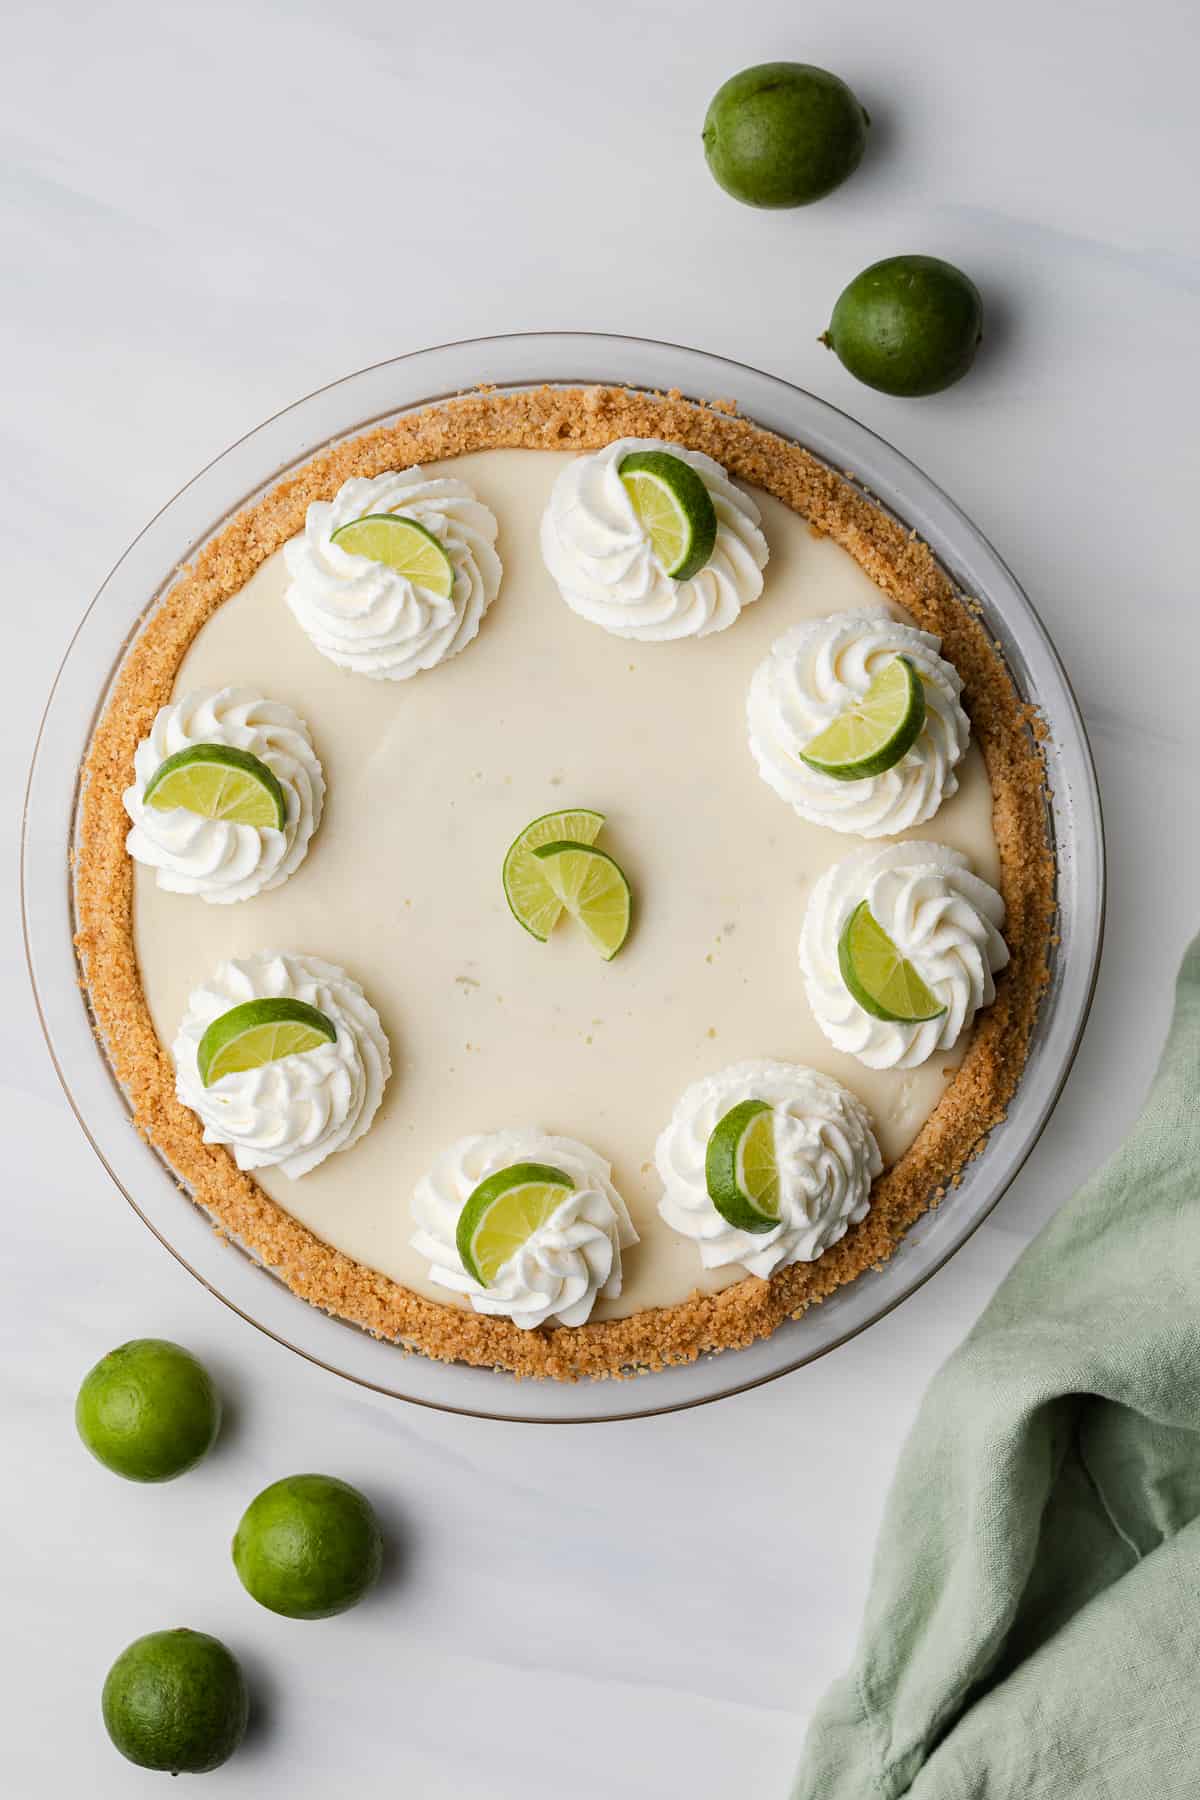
(218, 782)
(593, 888)
(784, 134)
(740, 1169)
(910, 325)
(258, 1032)
(874, 732)
(404, 546)
(883, 982)
(176, 1700)
(504, 1212)
(674, 507)
(308, 1547)
(533, 901)
(148, 1410)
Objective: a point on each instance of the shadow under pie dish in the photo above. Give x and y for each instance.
(543, 707)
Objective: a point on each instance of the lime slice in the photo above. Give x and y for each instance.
(593, 889)
(218, 782)
(533, 901)
(504, 1212)
(875, 732)
(883, 982)
(404, 546)
(258, 1032)
(740, 1170)
(674, 506)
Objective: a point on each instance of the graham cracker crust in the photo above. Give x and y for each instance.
(578, 419)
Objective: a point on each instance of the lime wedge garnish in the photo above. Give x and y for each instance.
(740, 1169)
(258, 1032)
(593, 889)
(534, 903)
(504, 1212)
(218, 782)
(875, 732)
(675, 508)
(884, 983)
(404, 546)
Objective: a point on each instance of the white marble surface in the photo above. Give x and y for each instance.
(210, 211)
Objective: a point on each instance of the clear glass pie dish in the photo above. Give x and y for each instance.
(253, 465)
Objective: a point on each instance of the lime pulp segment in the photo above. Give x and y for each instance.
(503, 1213)
(592, 887)
(404, 545)
(260, 1032)
(884, 983)
(674, 507)
(216, 781)
(532, 900)
(875, 731)
(741, 1170)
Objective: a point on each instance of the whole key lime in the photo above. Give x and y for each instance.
(784, 134)
(148, 1410)
(308, 1547)
(176, 1700)
(909, 325)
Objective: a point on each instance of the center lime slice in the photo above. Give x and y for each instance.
(873, 733)
(883, 982)
(593, 888)
(675, 508)
(504, 1212)
(218, 782)
(404, 546)
(259, 1032)
(534, 903)
(740, 1168)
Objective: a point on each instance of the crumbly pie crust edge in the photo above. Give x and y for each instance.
(1009, 732)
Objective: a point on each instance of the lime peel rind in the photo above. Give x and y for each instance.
(538, 1187)
(880, 980)
(723, 1169)
(874, 732)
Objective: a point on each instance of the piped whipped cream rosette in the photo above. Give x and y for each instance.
(238, 1067)
(812, 677)
(601, 550)
(236, 757)
(766, 1164)
(528, 1226)
(933, 931)
(391, 619)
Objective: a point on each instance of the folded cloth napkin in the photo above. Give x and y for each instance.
(1033, 1627)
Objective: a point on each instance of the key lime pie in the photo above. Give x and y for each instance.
(562, 879)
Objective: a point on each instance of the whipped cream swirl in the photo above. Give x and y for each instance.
(811, 675)
(599, 553)
(939, 915)
(824, 1147)
(293, 1113)
(369, 618)
(569, 1263)
(215, 858)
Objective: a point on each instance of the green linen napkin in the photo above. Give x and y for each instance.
(1033, 1626)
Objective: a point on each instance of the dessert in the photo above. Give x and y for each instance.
(824, 1158)
(557, 1224)
(813, 673)
(938, 916)
(210, 841)
(550, 720)
(390, 616)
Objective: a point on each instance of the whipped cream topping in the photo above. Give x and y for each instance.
(295, 1112)
(824, 1147)
(215, 858)
(369, 618)
(599, 553)
(569, 1263)
(938, 914)
(811, 675)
